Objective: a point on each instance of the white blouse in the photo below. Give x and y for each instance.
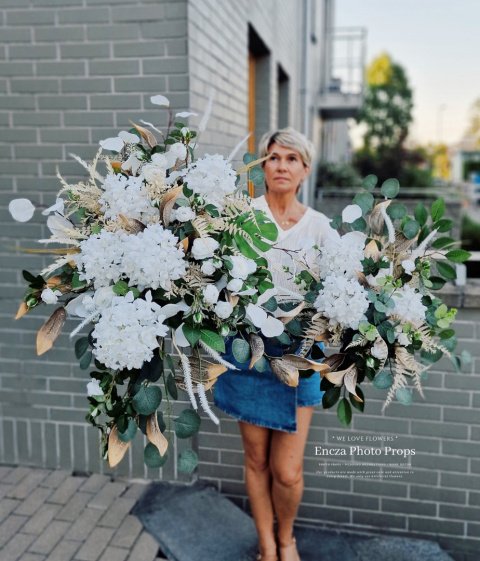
(312, 224)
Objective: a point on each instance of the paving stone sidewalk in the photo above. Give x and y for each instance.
(52, 515)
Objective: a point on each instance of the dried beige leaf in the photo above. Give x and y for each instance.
(50, 330)
(305, 363)
(402, 243)
(257, 349)
(334, 361)
(233, 300)
(350, 382)
(362, 279)
(133, 224)
(372, 251)
(116, 165)
(181, 384)
(116, 448)
(209, 370)
(376, 219)
(146, 135)
(154, 434)
(286, 317)
(337, 377)
(184, 244)
(167, 204)
(285, 372)
(22, 310)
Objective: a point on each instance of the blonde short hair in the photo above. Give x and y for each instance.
(289, 138)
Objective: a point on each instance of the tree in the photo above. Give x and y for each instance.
(387, 114)
(473, 129)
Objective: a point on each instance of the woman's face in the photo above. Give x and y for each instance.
(284, 170)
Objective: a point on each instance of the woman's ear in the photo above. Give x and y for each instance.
(306, 171)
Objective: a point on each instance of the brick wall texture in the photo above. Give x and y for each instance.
(73, 72)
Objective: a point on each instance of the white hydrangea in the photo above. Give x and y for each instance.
(408, 306)
(126, 334)
(343, 301)
(342, 256)
(126, 196)
(213, 178)
(151, 258)
(100, 259)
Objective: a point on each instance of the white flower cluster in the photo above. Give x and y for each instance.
(342, 256)
(151, 258)
(343, 301)
(212, 178)
(408, 306)
(126, 334)
(148, 259)
(126, 196)
(100, 259)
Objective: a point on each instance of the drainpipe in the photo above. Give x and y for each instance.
(304, 94)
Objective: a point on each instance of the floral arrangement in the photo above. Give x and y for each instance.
(162, 245)
(369, 290)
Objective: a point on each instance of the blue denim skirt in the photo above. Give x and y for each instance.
(259, 397)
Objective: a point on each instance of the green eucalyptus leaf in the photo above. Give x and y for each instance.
(261, 365)
(364, 201)
(248, 158)
(187, 424)
(129, 433)
(359, 224)
(241, 350)
(152, 458)
(390, 188)
(383, 380)
(187, 461)
(411, 229)
(369, 182)
(336, 222)
(404, 396)
(257, 176)
(147, 399)
(397, 211)
(270, 304)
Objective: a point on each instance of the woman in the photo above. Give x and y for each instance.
(274, 419)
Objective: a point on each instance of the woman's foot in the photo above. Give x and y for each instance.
(289, 552)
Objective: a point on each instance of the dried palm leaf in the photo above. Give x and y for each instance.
(376, 218)
(167, 203)
(402, 243)
(286, 317)
(257, 349)
(371, 251)
(146, 135)
(251, 164)
(50, 330)
(203, 370)
(22, 310)
(338, 376)
(116, 448)
(362, 279)
(233, 300)
(285, 372)
(350, 382)
(154, 434)
(302, 363)
(133, 224)
(334, 361)
(57, 251)
(116, 165)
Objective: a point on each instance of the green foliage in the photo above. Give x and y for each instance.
(187, 461)
(337, 175)
(152, 457)
(187, 424)
(147, 399)
(241, 350)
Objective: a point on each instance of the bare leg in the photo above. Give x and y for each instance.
(256, 443)
(286, 464)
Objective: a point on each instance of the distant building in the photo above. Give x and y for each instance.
(465, 161)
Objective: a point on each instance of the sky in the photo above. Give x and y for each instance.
(438, 44)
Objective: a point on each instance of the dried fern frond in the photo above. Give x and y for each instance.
(360, 342)
(399, 381)
(201, 226)
(428, 342)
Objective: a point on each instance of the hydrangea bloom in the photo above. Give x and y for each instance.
(342, 256)
(126, 196)
(151, 258)
(213, 178)
(126, 334)
(343, 301)
(100, 259)
(408, 305)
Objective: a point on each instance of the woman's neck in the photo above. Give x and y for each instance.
(280, 202)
